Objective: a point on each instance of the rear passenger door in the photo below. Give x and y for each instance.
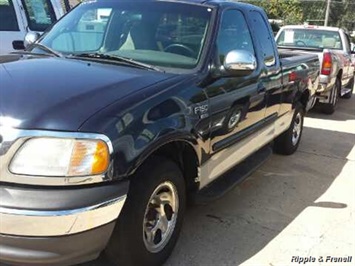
(11, 25)
(350, 69)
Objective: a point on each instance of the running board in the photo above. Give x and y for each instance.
(233, 177)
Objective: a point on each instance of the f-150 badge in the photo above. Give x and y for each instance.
(201, 110)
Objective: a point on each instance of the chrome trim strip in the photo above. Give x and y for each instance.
(223, 160)
(61, 222)
(12, 140)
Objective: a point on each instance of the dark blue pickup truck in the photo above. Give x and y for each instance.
(123, 110)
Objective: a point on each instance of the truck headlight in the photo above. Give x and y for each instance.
(61, 157)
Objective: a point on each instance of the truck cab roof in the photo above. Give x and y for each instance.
(221, 3)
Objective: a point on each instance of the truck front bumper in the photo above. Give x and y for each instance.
(63, 226)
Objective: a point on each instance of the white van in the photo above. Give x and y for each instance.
(17, 17)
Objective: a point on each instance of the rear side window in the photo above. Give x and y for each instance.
(8, 20)
(347, 43)
(40, 14)
(262, 33)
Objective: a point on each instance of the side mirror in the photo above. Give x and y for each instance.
(18, 45)
(239, 63)
(30, 38)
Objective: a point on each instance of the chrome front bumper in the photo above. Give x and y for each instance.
(59, 222)
(54, 251)
(57, 226)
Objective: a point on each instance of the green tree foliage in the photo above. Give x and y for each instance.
(289, 11)
(346, 17)
(314, 12)
(342, 12)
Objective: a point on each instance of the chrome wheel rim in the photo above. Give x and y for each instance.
(297, 128)
(160, 217)
(234, 119)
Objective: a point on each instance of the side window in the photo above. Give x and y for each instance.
(40, 14)
(262, 33)
(233, 34)
(8, 20)
(347, 43)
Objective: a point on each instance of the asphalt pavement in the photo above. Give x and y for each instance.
(294, 210)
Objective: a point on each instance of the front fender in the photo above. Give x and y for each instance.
(151, 121)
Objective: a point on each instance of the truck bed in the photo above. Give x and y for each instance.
(289, 58)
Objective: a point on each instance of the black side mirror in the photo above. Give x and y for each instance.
(18, 45)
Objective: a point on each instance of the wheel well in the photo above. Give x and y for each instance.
(184, 155)
(340, 73)
(304, 98)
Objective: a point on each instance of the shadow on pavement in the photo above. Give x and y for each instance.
(345, 110)
(234, 228)
(238, 226)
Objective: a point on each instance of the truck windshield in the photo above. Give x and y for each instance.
(310, 38)
(163, 34)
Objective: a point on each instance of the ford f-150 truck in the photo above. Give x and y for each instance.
(332, 45)
(121, 112)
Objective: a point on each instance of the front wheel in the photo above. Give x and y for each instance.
(149, 225)
(287, 143)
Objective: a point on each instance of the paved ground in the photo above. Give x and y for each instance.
(300, 205)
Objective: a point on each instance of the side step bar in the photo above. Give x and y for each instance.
(235, 176)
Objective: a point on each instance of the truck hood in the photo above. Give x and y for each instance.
(40, 92)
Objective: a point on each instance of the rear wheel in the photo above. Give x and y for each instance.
(287, 143)
(329, 108)
(351, 86)
(149, 225)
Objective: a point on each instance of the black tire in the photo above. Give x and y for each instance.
(129, 243)
(350, 93)
(329, 108)
(287, 143)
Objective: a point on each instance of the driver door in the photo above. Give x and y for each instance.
(237, 104)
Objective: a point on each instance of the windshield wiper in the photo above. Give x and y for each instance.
(118, 59)
(47, 49)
